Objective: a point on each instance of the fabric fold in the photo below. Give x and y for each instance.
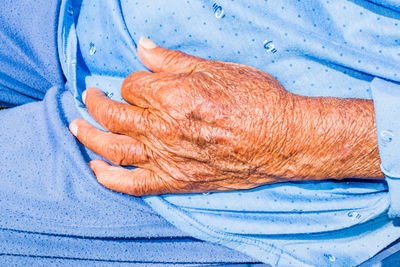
(386, 97)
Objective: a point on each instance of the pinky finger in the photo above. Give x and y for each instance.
(136, 182)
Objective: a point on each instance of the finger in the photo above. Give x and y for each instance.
(117, 117)
(146, 89)
(137, 182)
(119, 149)
(159, 59)
(136, 89)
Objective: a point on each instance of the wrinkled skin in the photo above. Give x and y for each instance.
(196, 125)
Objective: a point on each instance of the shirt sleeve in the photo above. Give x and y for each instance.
(386, 96)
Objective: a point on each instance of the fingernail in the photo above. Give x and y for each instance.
(84, 97)
(147, 43)
(73, 128)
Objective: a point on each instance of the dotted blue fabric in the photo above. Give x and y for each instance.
(29, 64)
(318, 48)
(387, 108)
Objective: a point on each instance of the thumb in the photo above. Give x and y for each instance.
(159, 59)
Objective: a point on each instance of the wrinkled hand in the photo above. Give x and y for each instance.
(196, 125)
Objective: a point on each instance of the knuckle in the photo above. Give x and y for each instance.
(170, 58)
(136, 76)
(146, 119)
(134, 81)
(168, 185)
(114, 114)
(134, 188)
(175, 94)
(200, 66)
(126, 88)
(116, 153)
(144, 186)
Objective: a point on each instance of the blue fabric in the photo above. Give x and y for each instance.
(29, 63)
(348, 43)
(387, 108)
(337, 223)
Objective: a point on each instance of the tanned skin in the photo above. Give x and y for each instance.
(196, 125)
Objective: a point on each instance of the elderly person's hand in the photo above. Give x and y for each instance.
(196, 125)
